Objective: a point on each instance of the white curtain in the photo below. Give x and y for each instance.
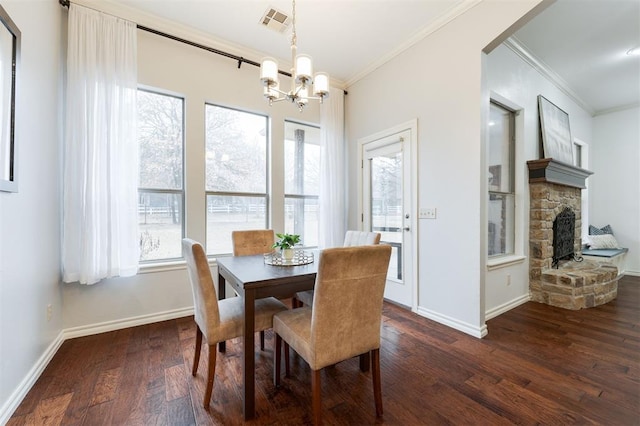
(332, 208)
(100, 229)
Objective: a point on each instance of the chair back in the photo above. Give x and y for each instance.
(361, 238)
(247, 243)
(347, 306)
(205, 300)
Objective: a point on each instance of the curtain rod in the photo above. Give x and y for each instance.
(239, 59)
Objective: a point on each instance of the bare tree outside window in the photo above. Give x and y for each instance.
(302, 181)
(236, 174)
(160, 186)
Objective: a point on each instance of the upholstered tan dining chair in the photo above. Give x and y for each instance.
(218, 320)
(248, 243)
(351, 239)
(344, 320)
(252, 242)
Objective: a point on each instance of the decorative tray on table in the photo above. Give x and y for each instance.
(300, 257)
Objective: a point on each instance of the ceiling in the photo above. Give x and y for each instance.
(583, 42)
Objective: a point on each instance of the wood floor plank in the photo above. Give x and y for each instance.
(537, 365)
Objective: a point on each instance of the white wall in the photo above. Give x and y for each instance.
(198, 76)
(517, 82)
(439, 81)
(30, 219)
(615, 190)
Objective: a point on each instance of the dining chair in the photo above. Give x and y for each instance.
(218, 320)
(251, 242)
(344, 320)
(351, 239)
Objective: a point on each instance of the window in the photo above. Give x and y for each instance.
(302, 181)
(501, 206)
(160, 183)
(577, 154)
(236, 174)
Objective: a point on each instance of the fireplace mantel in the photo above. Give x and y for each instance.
(550, 170)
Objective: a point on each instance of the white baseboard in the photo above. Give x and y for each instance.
(498, 310)
(32, 376)
(103, 327)
(24, 387)
(632, 273)
(453, 323)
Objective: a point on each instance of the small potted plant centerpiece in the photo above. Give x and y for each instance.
(285, 243)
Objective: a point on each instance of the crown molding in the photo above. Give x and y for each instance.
(617, 109)
(435, 25)
(536, 63)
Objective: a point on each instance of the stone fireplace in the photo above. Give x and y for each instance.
(554, 188)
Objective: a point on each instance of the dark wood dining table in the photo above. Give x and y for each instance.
(253, 279)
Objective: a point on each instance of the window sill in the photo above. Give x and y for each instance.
(504, 261)
(173, 265)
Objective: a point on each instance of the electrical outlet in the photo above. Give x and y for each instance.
(427, 213)
(508, 279)
(49, 312)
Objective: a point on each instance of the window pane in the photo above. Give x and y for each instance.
(577, 155)
(301, 217)
(500, 149)
(160, 138)
(232, 213)
(160, 124)
(501, 224)
(302, 159)
(386, 194)
(236, 150)
(160, 223)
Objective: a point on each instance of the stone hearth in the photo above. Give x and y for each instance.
(574, 285)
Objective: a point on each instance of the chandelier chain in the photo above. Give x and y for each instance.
(294, 37)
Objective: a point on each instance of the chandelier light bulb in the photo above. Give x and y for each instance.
(303, 68)
(269, 71)
(321, 84)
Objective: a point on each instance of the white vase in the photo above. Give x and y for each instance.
(287, 254)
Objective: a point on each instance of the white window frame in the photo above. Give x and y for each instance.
(505, 260)
(181, 192)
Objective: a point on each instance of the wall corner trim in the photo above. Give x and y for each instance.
(7, 410)
(10, 406)
(467, 328)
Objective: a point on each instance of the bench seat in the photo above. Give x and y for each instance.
(613, 256)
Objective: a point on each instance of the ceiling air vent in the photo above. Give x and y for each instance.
(275, 19)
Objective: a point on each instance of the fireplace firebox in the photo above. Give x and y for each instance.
(564, 226)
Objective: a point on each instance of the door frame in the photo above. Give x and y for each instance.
(411, 158)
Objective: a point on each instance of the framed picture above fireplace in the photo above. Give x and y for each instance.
(556, 134)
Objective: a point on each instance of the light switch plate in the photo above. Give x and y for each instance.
(427, 213)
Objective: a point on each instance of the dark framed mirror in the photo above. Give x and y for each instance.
(9, 57)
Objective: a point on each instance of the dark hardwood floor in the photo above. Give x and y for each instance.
(538, 365)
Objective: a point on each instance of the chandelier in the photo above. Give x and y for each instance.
(301, 77)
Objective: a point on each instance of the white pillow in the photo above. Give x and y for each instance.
(606, 241)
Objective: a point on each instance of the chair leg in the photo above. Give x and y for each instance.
(210, 376)
(262, 340)
(295, 303)
(315, 391)
(286, 360)
(377, 387)
(364, 362)
(196, 355)
(276, 363)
